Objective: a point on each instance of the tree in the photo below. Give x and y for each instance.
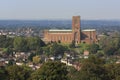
(93, 48)
(39, 51)
(30, 58)
(11, 62)
(3, 74)
(50, 71)
(93, 69)
(72, 45)
(56, 49)
(8, 51)
(18, 72)
(36, 59)
(34, 43)
(116, 44)
(110, 44)
(113, 71)
(73, 74)
(46, 50)
(59, 41)
(20, 44)
(109, 50)
(6, 42)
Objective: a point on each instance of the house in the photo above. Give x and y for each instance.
(86, 54)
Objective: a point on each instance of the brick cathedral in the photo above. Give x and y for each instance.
(74, 34)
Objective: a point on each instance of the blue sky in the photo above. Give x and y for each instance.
(59, 9)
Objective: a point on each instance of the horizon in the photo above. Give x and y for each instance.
(58, 19)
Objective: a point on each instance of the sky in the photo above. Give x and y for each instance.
(59, 9)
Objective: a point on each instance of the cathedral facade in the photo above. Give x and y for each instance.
(69, 35)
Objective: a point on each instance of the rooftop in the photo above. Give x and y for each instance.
(89, 30)
(61, 30)
(68, 30)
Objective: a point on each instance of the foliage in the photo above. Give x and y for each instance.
(20, 44)
(46, 50)
(30, 58)
(39, 51)
(110, 45)
(3, 74)
(6, 42)
(93, 48)
(25, 44)
(55, 49)
(93, 69)
(11, 62)
(8, 51)
(34, 43)
(73, 74)
(83, 47)
(50, 71)
(113, 71)
(36, 59)
(18, 72)
(72, 45)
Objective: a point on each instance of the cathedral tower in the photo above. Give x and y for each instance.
(76, 29)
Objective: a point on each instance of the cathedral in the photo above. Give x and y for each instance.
(69, 35)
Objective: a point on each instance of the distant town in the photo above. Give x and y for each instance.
(35, 27)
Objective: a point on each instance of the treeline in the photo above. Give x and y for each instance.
(31, 44)
(110, 44)
(92, 68)
(106, 46)
(21, 43)
(95, 68)
(48, 71)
